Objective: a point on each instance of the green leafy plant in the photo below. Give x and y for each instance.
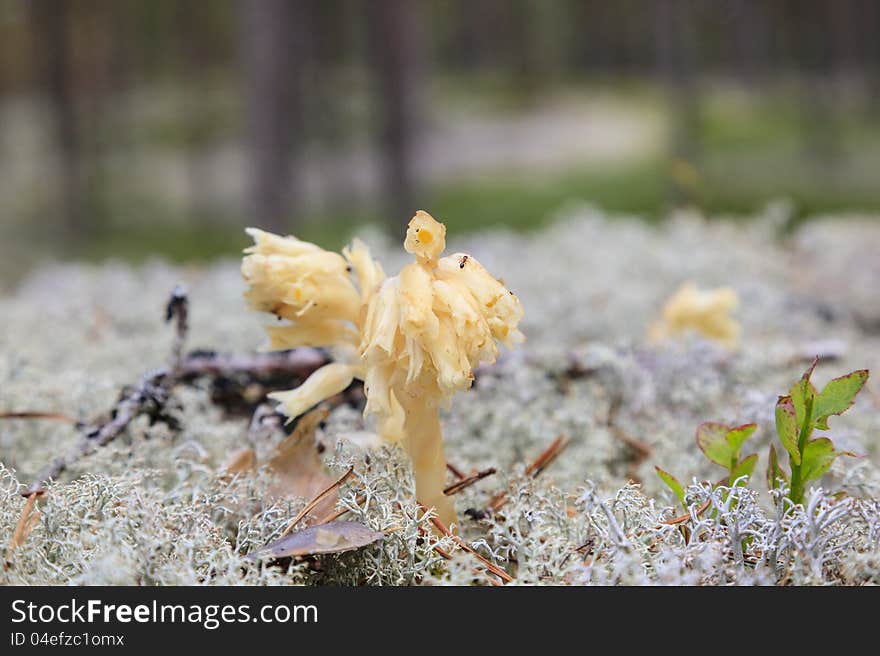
(722, 445)
(800, 413)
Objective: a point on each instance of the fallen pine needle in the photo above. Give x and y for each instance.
(440, 551)
(26, 522)
(642, 450)
(538, 465)
(336, 514)
(548, 456)
(683, 518)
(497, 571)
(51, 416)
(447, 556)
(455, 471)
(314, 502)
(443, 553)
(454, 488)
(466, 482)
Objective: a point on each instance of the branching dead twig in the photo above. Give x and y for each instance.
(299, 363)
(178, 310)
(152, 393)
(147, 397)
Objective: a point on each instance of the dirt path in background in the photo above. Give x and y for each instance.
(457, 145)
(557, 134)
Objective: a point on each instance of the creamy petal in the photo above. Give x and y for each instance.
(368, 271)
(268, 243)
(323, 332)
(325, 382)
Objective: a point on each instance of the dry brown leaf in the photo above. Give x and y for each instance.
(297, 466)
(239, 461)
(333, 537)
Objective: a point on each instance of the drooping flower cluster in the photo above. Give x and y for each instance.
(414, 339)
(428, 327)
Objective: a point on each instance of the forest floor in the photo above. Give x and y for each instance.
(154, 506)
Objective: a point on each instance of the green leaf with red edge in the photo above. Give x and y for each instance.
(744, 467)
(712, 440)
(722, 444)
(802, 392)
(738, 435)
(787, 427)
(817, 458)
(838, 396)
(672, 483)
(774, 471)
(819, 454)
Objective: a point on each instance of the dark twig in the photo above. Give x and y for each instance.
(147, 397)
(297, 363)
(178, 309)
(151, 394)
(265, 421)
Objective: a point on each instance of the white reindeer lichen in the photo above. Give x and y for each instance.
(414, 339)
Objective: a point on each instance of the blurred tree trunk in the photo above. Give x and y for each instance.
(468, 22)
(395, 28)
(121, 70)
(749, 41)
(195, 63)
(676, 54)
(523, 47)
(870, 22)
(817, 62)
(272, 35)
(50, 22)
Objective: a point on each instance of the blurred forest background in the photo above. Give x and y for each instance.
(134, 127)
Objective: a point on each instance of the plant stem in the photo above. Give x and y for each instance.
(796, 494)
(424, 445)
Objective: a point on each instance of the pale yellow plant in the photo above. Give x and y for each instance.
(708, 313)
(414, 339)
